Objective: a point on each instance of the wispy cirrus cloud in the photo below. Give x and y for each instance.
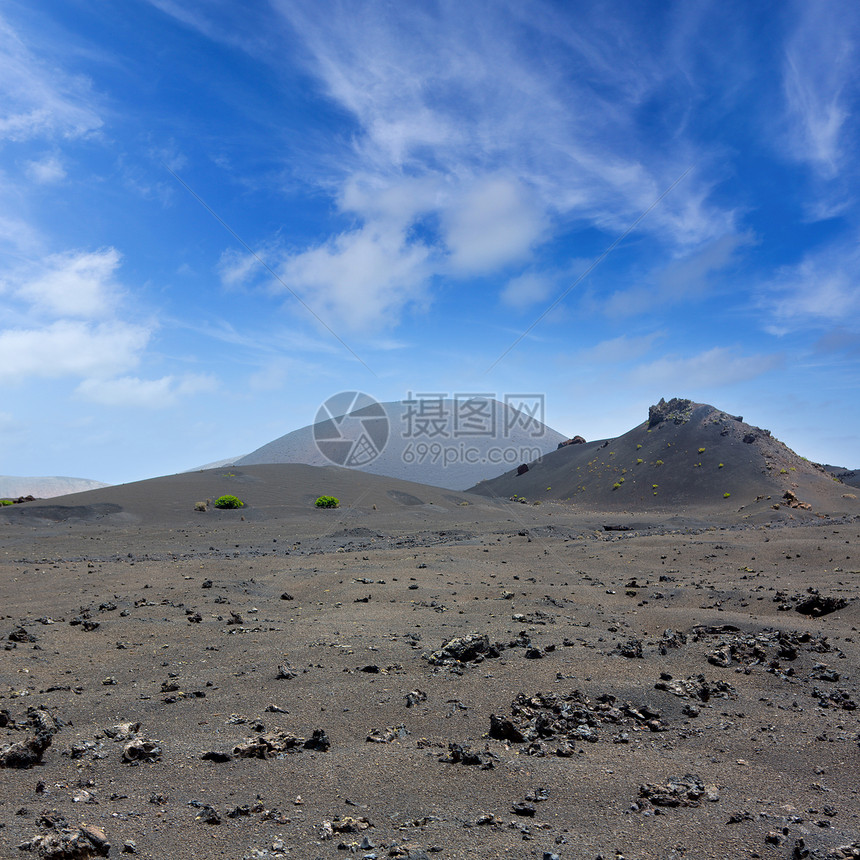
(820, 84)
(470, 150)
(131, 391)
(46, 171)
(714, 368)
(822, 291)
(37, 99)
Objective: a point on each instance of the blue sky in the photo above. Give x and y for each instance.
(395, 193)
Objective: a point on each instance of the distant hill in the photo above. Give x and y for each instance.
(12, 487)
(442, 443)
(847, 476)
(686, 455)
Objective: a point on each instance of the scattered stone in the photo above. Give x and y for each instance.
(458, 754)
(820, 672)
(697, 687)
(69, 844)
(141, 750)
(671, 639)
(471, 648)
(278, 743)
(345, 824)
(123, 731)
(318, 741)
(838, 698)
(520, 807)
(487, 818)
(415, 697)
(216, 756)
(816, 605)
(790, 499)
(208, 815)
(686, 791)
(26, 753)
(387, 735)
(274, 743)
(566, 720)
(631, 649)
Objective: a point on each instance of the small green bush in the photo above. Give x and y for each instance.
(701, 450)
(6, 502)
(659, 463)
(639, 461)
(327, 502)
(229, 502)
(726, 495)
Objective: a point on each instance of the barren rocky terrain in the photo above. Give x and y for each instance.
(421, 673)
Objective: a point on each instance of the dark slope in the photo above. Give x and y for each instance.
(687, 455)
(269, 491)
(847, 476)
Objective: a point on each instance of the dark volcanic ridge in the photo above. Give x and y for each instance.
(685, 456)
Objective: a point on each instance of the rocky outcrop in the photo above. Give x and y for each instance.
(678, 409)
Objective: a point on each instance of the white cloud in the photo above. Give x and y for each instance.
(145, 393)
(818, 77)
(823, 289)
(37, 100)
(714, 368)
(236, 268)
(18, 233)
(617, 350)
(46, 171)
(527, 289)
(73, 284)
(361, 279)
(70, 348)
(493, 223)
(449, 92)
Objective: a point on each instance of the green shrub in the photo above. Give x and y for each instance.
(639, 461)
(659, 463)
(726, 495)
(6, 502)
(327, 502)
(701, 450)
(229, 502)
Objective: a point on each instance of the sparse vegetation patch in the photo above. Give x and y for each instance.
(229, 502)
(327, 502)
